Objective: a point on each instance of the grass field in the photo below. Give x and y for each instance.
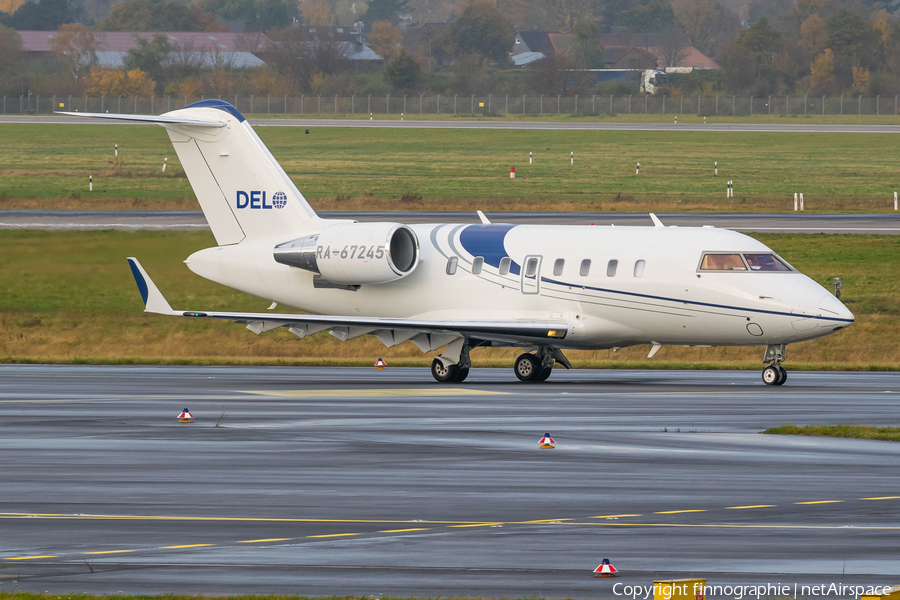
(862, 432)
(47, 166)
(70, 297)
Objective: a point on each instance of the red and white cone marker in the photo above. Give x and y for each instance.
(380, 364)
(185, 417)
(605, 569)
(546, 441)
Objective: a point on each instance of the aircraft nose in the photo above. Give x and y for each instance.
(829, 306)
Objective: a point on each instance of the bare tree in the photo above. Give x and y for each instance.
(76, 46)
(299, 55)
(674, 46)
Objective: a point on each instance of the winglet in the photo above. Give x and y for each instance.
(484, 219)
(154, 302)
(656, 221)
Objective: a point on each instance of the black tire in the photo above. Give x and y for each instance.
(443, 374)
(545, 374)
(527, 367)
(461, 375)
(771, 375)
(783, 374)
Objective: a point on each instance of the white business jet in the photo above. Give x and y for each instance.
(540, 288)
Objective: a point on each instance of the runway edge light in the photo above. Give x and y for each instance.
(605, 569)
(546, 441)
(380, 364)
(185, 417)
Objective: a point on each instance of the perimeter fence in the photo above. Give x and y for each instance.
(472, 104)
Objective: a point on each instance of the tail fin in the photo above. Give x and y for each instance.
(243, 191)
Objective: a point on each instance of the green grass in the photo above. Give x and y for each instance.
(861, 432)
(45, 165)
(70, 297)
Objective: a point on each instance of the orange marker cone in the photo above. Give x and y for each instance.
(605, 569)
(380, 364)
(185, 417)
(546, 441)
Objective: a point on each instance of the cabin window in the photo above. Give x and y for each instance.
(722, 262)
(451, 265)
(504, 265)
(639, 268)
(531, 268)
(765, 262)
(477, 264)
(558, 266)
(585, 267)
(611, 268)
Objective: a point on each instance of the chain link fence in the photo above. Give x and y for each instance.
(471, 104)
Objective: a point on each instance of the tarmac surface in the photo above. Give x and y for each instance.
(355, 481)
(128, 220)
(395, 122)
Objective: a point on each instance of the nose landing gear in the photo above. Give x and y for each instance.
(774, 373)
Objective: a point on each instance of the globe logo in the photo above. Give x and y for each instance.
(279, 200)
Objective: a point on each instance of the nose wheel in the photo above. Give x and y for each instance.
(774, 375)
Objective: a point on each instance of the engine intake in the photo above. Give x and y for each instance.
(355, 253)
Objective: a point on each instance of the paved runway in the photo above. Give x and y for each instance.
(393, 121)
(364, 482)
(886, 223)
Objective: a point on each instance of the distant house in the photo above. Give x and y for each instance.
(620, 50)
(206, 48)
(351, 38)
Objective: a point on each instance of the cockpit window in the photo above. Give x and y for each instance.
(765, 262)
(722, 262)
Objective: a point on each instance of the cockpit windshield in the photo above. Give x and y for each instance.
(765, 262)
(724, 261)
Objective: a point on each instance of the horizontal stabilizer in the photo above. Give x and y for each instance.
(161, 119)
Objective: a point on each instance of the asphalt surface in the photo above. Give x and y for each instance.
(325, 481)
(886, 223)
(394, 121)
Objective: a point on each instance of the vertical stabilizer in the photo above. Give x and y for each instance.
(243, 191)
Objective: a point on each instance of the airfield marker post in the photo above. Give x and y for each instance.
(117, 151)
(895, 200)
(716, 167)
(572, 158)
(801, 201)
(637, 170)
(531, 157)
(795, 202)
(165, 161)
(90, 183)
(512, 172)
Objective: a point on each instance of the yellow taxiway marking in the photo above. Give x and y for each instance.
(613, 516)
(269, 540)
(108, 552)
(673, 512)
(30, 557)
(384, 393)
(539, 522)
(733, 526)
(332, 535)
(820, 502)
(478, 524)
(402, 530)
(753, 506)
(235, 519)
(882, 498)
(186, 546)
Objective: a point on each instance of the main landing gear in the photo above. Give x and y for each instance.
(448, 373)
(538, 366)
(452, 366)
(774, 373)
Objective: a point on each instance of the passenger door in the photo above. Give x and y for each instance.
(531, 274)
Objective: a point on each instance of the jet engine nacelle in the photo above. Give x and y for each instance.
(355, 253)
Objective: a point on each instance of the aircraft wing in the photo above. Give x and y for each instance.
(391, 331)
(159, 119)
